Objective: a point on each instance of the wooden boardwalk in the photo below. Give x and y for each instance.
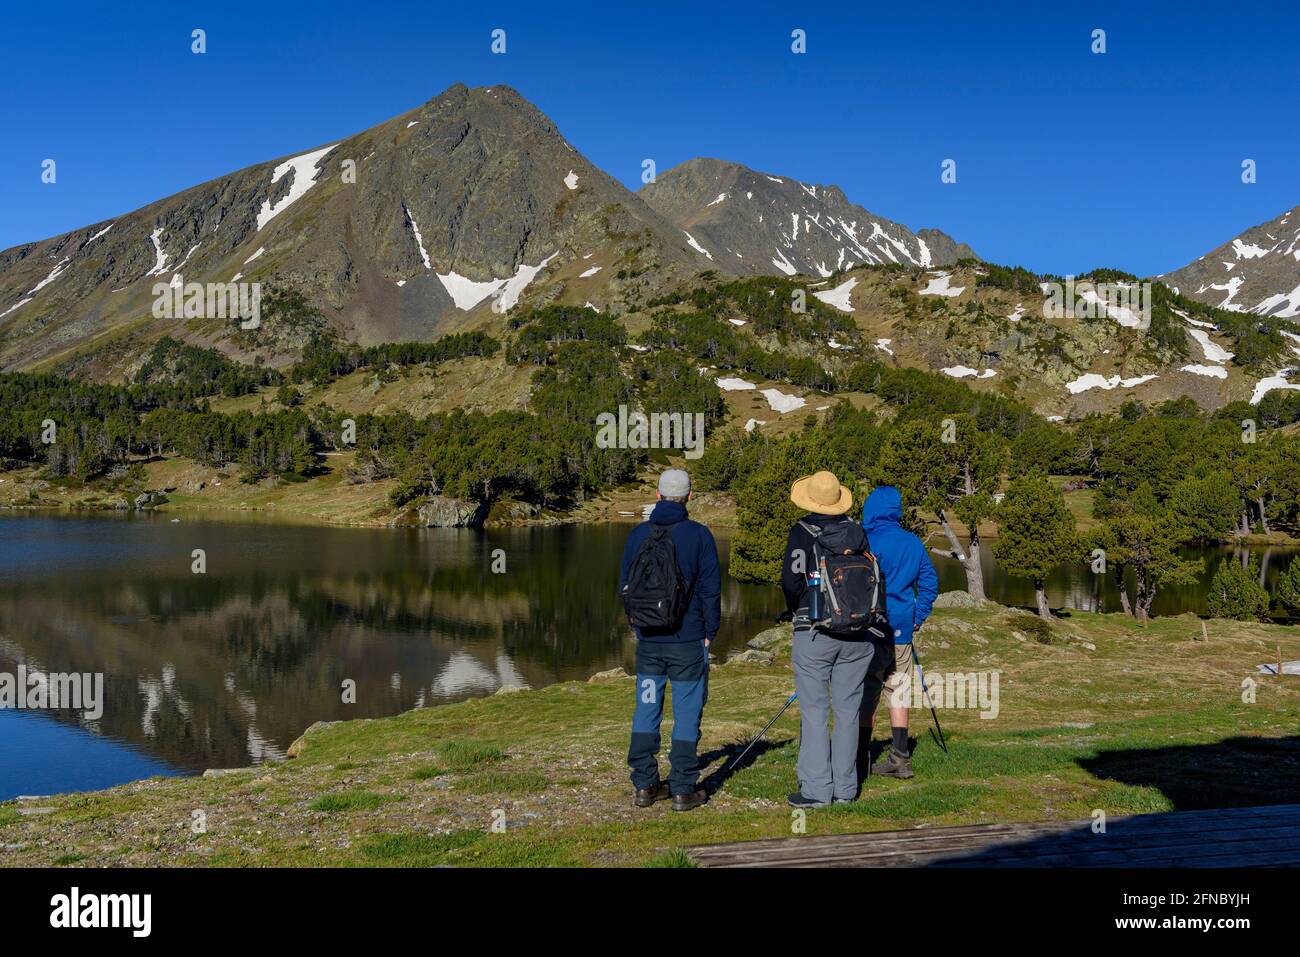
(1266, 836)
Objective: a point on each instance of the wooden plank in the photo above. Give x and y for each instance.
(1081, 855)
(882, 842)
(1267, 835)
(1215, 821)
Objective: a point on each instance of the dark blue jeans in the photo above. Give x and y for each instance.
(684, 665)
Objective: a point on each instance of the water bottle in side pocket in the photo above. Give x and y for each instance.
(814, 594)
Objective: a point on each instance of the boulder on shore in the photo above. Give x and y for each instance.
(512, 689)
(612, 674)
(774, 640)
(962, 599)
(439, 511)
(752, 656)
(299, 743)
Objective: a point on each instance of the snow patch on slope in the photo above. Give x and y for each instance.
(160, 263)
(1091, 380)
(780, 402)
(1266, 385)
(965, 372)
(467, 293)
(101, 233)
(696, 246)
(734, 385)
(18, 305)
(1213, 351)
(938, 286)
(1213, 372)
(839, 296)
(419, 240)
(304, 169)
(783, 264)
(54, 274)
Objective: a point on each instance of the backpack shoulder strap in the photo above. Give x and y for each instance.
(815, 531)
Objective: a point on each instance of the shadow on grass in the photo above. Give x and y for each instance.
(1235, 772)
(713, 781)
(1226, 789)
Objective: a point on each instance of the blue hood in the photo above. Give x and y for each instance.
(910, 581)
(884, 506)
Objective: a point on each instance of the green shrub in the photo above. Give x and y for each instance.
(1035, 627)
(1235, 592)
(1288, 588)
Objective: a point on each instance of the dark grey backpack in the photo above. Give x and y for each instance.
(655, 595)
(853, 588)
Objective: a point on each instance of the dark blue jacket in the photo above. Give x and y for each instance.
(910, 582)
(697, 559)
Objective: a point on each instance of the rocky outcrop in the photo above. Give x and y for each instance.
(962, 599)
(773, 640)
(146, 500)
(439, 511)
(300, 743)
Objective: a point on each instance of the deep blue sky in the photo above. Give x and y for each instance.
(1066, 159)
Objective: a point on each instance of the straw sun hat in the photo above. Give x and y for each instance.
(821, 494)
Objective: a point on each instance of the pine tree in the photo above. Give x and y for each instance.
(765, 513)
(1235, 592)
(1036, 533)
(942, 468)
(1288, 588)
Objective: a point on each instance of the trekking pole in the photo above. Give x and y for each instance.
(926, 691)
(780, 619)
(758, 737)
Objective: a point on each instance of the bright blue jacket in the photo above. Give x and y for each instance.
(911, 584)
(697, 560)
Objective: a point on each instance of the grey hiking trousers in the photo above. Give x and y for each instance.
(829, 675)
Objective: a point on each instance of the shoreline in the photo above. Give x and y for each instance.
(327, 499)
(719, 515)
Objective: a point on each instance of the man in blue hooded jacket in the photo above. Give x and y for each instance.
(911, 586)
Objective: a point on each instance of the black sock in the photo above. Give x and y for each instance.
(900, 741)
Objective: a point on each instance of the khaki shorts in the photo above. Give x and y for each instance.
(896, 676)
(896, 673)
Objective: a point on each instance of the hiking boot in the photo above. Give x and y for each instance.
(645, 797)
(801, 800)
(689, 802)
(893, 765)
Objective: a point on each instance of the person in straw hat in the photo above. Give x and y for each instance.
(829, 672)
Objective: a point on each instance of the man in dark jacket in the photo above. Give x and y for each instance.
(911, 586)
(679, 656)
